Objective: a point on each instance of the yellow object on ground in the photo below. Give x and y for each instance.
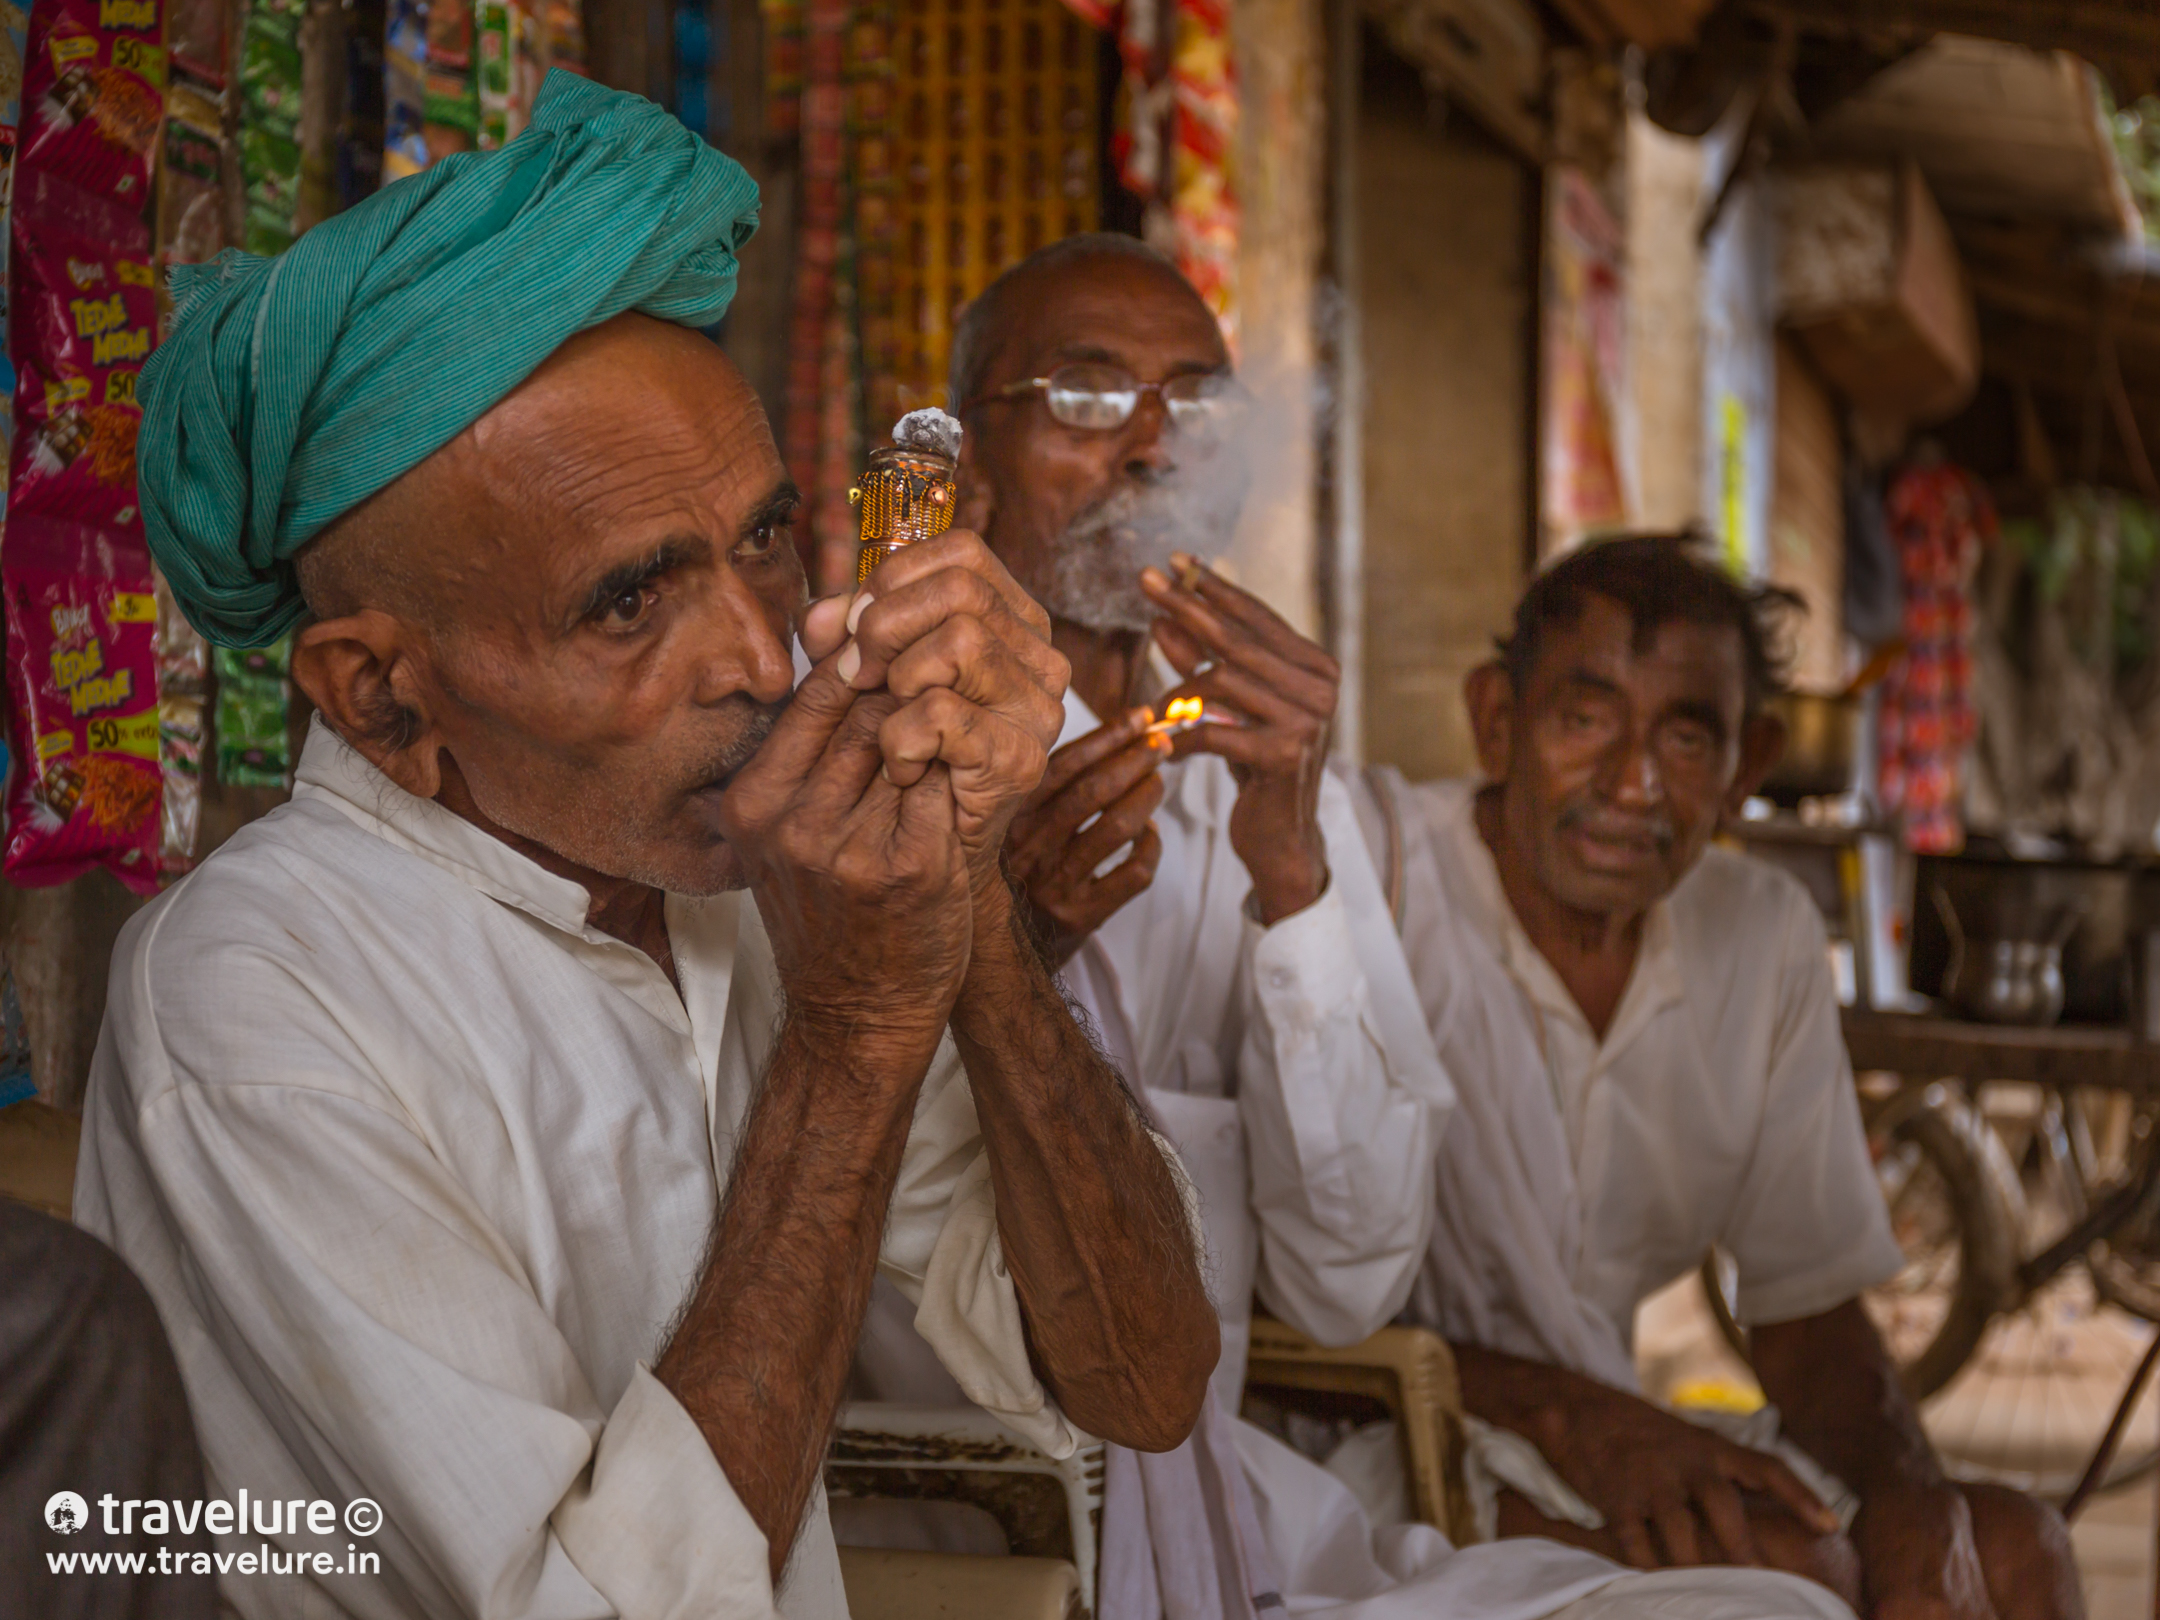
(1716, 1395)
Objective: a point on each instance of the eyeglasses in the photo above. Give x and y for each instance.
(1099, 398)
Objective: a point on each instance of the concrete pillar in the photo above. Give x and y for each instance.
(1282, 154)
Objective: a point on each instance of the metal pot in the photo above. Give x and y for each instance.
(1976, 910)
(1822, 747)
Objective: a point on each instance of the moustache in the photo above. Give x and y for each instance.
(738, 751)
(1602, 821)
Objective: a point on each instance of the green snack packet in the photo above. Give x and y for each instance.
(273, 662)
(252, 745)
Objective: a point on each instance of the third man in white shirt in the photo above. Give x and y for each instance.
(1645, 1037)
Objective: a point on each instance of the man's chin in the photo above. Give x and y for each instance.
(1608, 894)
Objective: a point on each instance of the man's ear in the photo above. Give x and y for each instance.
(1490, 697)
(362, 673)
(1762, 745)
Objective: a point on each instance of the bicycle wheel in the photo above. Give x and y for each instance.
(2126, 1264)
(1948, 1214)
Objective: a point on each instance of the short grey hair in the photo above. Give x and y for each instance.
(975, 333)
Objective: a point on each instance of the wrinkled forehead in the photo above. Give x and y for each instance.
(1126, 311)
(629, 436)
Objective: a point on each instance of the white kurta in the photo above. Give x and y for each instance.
(419, 1167)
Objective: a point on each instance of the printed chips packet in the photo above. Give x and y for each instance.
(93, 94)
(82, 322)
(81, 648)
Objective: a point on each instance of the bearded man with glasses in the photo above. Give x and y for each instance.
(1215, 912)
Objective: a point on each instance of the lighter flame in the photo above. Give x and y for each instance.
(1184, 711)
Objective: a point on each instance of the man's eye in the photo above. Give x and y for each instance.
(766, 538)
(626, 608)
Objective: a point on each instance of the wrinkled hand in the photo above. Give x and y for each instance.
(1663, 1482)
(862, 883)
(1095, 798)
(944, 629)
(1242, 660)
(1918, 1555)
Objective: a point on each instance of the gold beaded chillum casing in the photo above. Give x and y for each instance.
(907, 493)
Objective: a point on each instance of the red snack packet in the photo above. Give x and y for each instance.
(81, 324)
(82, 689)
(93, 94)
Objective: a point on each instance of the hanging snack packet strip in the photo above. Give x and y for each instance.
(270, 98)
(74, 572)
(254, 746)
(93, 94)
(405, 47)
(81, 652)
(83, 317)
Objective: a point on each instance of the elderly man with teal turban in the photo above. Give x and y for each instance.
(510, 1186)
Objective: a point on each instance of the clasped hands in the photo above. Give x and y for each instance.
(870, 822)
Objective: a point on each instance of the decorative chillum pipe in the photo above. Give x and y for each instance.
(907, 492)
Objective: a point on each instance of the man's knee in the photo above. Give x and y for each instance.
(2026, 1553)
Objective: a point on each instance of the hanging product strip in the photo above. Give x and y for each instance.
(192, 226)
(16, 25)
(80, 604)
(1177, 133)
(462, 74)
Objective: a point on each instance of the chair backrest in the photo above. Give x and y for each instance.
(1408, 1370)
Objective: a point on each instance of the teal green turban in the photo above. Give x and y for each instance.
(292, 389)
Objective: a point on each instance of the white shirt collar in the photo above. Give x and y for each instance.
(333, 770)
(1655, 982)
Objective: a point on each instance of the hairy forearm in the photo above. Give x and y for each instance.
(1089, 1216)
(1529, 1397)
(1839, 1396)
(762, 1350)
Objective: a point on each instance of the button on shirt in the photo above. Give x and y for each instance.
(1718, 1108)
(419, 1167)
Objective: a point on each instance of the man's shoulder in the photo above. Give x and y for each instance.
(1747, 928)
(1741, 895)
(305, 889)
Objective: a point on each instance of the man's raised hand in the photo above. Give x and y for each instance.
(1241, 659)
(1096, 797)
(943, 628)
